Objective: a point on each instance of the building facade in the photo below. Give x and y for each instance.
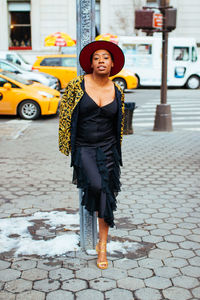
(24, 24)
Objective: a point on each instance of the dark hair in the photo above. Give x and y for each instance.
(99, 49)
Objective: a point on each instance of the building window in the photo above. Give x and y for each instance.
(137, 49)
(19, 25)
(138, 55)
(97, 17)
(194, 54)
(181, 53)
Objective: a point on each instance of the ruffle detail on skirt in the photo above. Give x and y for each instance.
(79, 177)
(110, 183)
(115, 184)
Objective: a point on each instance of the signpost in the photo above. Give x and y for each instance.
(164, 22)
(85, 13)
(163, 118)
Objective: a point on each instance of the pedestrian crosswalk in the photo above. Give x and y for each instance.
(185, 114)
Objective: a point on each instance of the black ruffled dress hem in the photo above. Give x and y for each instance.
(110, 182)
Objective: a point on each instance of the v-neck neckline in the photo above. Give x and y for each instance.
(97, 104)
(93, 99)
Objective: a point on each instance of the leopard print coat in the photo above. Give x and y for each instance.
(71, 97)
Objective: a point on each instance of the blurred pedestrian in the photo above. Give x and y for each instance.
(91, 127)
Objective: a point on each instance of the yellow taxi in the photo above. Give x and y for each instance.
(24, 98)
(63, 66)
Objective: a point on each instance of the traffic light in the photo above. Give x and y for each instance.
(147, 19)
(170, 15)
(144, 19)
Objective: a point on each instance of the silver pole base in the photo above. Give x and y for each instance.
(88, 227)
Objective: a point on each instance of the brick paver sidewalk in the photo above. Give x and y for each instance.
(158, 208)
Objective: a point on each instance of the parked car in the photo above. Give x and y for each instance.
(22, 97)
(126, 79)
(35, 76)
(16, 58)
(63, 66)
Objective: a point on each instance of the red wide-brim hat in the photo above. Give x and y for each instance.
(89, 49)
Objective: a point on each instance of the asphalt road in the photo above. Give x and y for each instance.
(139, 96)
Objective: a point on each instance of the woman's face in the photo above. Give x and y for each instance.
(102, 62)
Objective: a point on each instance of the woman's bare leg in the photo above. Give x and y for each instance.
(103, 235)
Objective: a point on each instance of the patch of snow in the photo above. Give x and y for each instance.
(22, 242)
(57, 246)
(14, 235)
(123, 247)
(12, 226)
(116, 247)
(91, 252)
(56, 218)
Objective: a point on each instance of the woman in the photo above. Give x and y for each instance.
(91, 127)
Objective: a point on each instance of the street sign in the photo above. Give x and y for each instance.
(157, 20)
(150, 22)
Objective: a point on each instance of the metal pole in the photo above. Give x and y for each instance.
(164, 67)
(163, 119)
(85, 13)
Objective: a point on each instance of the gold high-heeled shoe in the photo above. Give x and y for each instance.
(101, 248)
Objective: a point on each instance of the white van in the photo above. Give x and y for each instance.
(143, 57)
(16, 58)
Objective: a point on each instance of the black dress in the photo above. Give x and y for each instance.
(95, 160)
